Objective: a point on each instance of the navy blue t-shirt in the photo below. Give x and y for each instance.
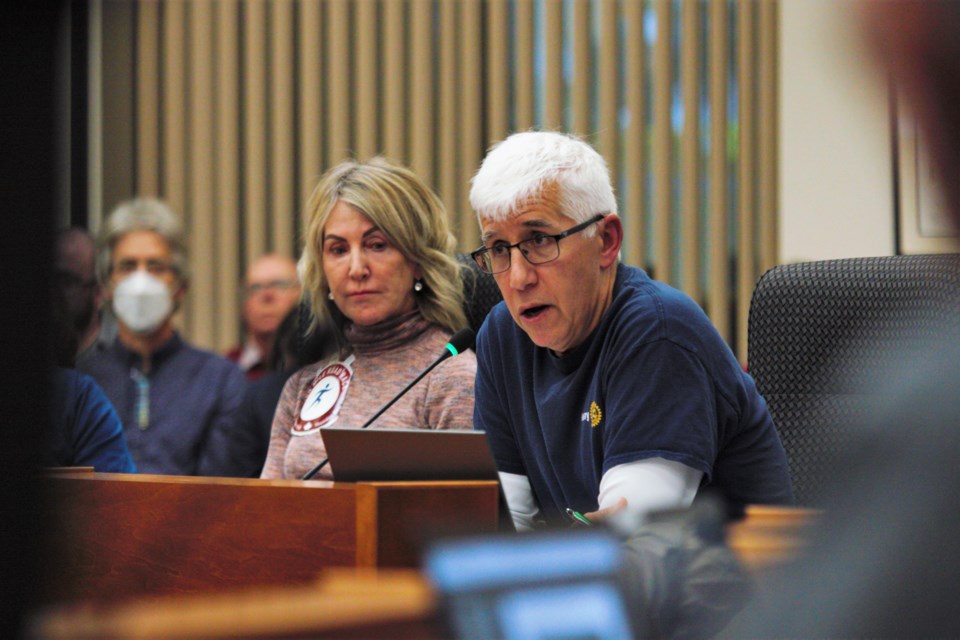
(654, 379)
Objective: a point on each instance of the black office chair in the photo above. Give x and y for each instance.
(480, 291)
(823, 335)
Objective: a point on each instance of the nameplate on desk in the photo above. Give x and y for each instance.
(407, 454)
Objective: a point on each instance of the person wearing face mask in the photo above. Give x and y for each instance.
(177, 403)
(383, 283)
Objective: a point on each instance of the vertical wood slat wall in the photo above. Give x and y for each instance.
(240, 105)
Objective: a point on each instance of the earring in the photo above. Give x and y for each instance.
(330, 295)
(418, 286)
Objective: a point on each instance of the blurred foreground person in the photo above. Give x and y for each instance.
(884, 560)
(271, 288)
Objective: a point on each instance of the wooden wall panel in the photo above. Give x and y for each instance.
(337, 77)
(227, 195)
(690, 165)
(241, 105)
(581, 91)
(200, 209)
(746, 170)
(470, 115)
(148, 103)
(524, 80)
(393, 108)
(255, 127)
(422, 83)
(662, 155)
(310, 119)
(719, 301)
(607, 127)
(635, 160)
(282, 176)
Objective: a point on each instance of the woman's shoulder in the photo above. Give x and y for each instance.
(435, 340)
(463, 365)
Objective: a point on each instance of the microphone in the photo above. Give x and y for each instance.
(459, 342)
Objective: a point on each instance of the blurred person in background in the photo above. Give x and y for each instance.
(292, 349)
(84, 429)
(74, 271)
(271, 288)
(176, 402)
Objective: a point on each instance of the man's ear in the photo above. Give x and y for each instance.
(611, 236)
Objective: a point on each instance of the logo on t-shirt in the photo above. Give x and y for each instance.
(595, 415)
(321, 406)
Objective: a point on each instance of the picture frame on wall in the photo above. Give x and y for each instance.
(923, 225)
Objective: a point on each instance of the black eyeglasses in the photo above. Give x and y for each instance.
(157, 268)
(540, 248)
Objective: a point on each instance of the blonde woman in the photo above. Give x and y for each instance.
(382, 280)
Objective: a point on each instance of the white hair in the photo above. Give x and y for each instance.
(144, 214)
(524, 164)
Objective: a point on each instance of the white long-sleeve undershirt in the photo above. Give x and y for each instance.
(647, 485)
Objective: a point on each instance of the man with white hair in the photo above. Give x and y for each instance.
(177, 403)
(600, 388)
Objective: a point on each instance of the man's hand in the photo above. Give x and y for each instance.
(602, 514)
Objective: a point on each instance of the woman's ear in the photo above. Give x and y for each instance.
(611, 236)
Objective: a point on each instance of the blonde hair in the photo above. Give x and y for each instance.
(411, 216)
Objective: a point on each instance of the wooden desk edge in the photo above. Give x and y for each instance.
(346, 598)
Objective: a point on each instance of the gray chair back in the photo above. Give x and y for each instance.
(824, 337)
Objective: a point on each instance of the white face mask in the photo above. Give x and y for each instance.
(142, 302)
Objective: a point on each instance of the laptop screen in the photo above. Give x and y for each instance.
(408, 454)
(534, 586)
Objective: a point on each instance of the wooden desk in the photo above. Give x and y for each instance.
(768, 536)
(121, 536)
(353, 603)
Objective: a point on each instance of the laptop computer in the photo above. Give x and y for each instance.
(408, 454)
(412, 454)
